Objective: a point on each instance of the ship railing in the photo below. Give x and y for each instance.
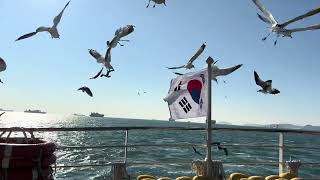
(281, 144)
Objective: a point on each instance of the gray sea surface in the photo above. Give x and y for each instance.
(162, 161)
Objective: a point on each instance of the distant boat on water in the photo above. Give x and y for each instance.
(95, 114)
(35, 111)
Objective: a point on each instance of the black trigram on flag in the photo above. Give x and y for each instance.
(185, 105)
(178, 87)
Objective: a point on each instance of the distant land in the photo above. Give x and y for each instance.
(273, 126)
(5, 110)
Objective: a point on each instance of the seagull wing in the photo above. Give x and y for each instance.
(310, 13)
(118, 31)
(197, 54)
(108, 55)
(108, 59)
(259, 82)
(179, 67)
(179, 74)
(224, 72)
(26, 36)
(264, 19)
(265, 11)
(314, 27)
(3, 65)
(99, 73)
(96, 55)
(275, 91)
(124, 31)
(87, 90)
(57, 19)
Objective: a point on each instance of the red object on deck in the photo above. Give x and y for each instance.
(26, 159)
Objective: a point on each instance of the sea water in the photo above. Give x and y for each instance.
(161, 160)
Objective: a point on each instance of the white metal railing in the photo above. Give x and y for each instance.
(281, 147)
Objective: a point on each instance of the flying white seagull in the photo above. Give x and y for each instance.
(157, 2)
(279, 29)
(103, 60)
(120, 33)
(53, 31)
(222, 72)
(189, 65)
(265, 85)
(3, 66)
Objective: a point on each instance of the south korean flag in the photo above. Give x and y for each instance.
(187, 96)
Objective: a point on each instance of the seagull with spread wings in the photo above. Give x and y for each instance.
(86, 90)
(189, 65)
(265, 85)
(223, 72)
(157, 2)
(53, 31)
(280, 29)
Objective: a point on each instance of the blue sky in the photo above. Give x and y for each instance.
(44, 73)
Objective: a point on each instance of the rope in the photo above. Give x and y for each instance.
(293, 166)
(119, 171)
(216, 166)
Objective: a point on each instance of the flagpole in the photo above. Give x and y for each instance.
(209, 127)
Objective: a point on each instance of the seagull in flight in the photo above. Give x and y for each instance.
(280, 29)
(189, 65)
(223, 72)
(220, 147)
(120, 33)
(3, 66)
(157, 2)
(197, 152)
(86, 90)
(53, 31)
(139, 93)
(265, 85)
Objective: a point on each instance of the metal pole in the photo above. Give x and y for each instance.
(126, 147)
(209, 128)
(281, 147)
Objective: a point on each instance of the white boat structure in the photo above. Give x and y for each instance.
(35, 111)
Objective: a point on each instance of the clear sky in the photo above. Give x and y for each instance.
(44, 73)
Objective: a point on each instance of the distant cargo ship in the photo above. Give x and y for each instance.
(35, 111)
(94, 114)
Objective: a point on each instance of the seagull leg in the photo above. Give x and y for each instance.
(265, 38)
(120, 44)
(154, 5)
(148, 4)
(275, 42)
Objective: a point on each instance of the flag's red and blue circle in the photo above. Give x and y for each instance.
(194, 88)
